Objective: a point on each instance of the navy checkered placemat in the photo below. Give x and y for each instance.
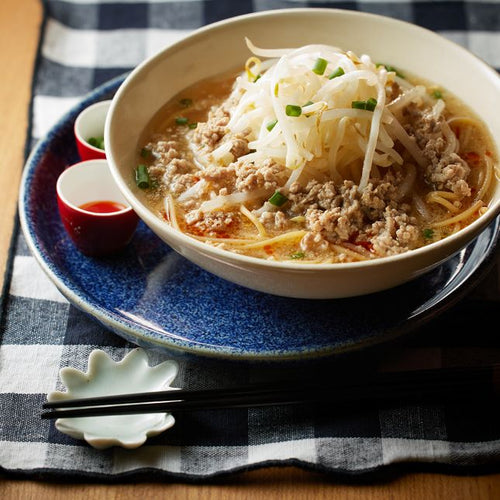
(84, 44)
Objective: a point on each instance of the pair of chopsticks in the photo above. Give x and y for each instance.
(440, 384)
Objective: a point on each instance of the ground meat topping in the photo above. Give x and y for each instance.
(245, 176)
(220, 178)
(396, 233)
(249, 176)
(393, 91)
(208, 134)
(239, 146)
(168, 166)
(343, 213)
(313, 243)
(450, 173)
(446, 169)
(210, 224)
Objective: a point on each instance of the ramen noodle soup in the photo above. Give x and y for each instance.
(316, 155)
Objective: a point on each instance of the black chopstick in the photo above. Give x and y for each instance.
(443, 384)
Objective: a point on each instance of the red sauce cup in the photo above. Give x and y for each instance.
(86, 192)
(89, 128)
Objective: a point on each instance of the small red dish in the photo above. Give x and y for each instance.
(89, 131)
(94, 213)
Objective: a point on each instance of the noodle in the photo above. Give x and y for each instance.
(253, 219)
(354, 254)
(292, 236)
(441, 198)
(488, 178)
(171, 212)
(460, 217)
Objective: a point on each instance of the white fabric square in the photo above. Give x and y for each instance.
(485, 45)
(123, 48)
(302, 449)
(68, 46)
(157, 40)
(23, 455)
(48, 110)
(30, 281)
(29, 369)
(406, 450)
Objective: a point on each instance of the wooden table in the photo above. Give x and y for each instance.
(19, 29)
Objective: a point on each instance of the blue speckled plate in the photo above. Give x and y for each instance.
(153, 297)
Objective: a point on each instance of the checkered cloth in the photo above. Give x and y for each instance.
(86, 43)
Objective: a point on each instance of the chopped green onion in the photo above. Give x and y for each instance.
(358, 104)
(428, 233)
(181, 120)
(278, 199)
(293, 110)
(297, 255)
(320, 66)
(437, 94)
(97, 142)
(142, 178)
(388, 67)
(145, 152)
(371, 104)
(271, 125)
(337, 72)
(258, 77)
(186, 102)
(308, 103)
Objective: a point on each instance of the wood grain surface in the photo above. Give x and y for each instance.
(20, 22)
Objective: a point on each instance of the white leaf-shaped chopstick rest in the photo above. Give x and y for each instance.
(106, 377)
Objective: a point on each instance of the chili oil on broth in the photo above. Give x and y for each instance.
(241, 228)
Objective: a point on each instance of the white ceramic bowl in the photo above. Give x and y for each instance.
(406, 46)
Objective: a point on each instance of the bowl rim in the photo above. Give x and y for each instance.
(225, 255)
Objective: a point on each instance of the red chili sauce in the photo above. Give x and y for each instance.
(102, 206)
